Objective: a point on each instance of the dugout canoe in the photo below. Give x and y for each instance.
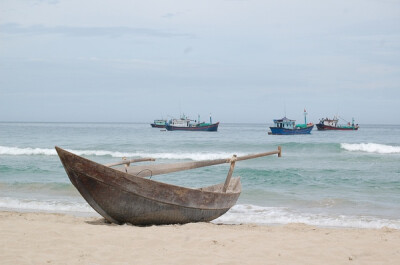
(125, 195)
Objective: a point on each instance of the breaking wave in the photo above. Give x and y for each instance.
(44, 205)
(371, 148)
(4, 150)
(251, 214)
(239, 214)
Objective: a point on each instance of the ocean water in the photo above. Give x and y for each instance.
(339, 179)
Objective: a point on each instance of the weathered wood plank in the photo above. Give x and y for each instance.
(152, 170)
(127, 162)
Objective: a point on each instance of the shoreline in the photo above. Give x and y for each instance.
(54, 238)
(368, 222)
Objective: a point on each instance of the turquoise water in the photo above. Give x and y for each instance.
(342, 179)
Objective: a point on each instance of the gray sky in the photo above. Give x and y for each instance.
(243, 61)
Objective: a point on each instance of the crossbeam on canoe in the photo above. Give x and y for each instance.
(158, 169)
(127, 162)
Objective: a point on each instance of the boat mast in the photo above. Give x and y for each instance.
(305, 116)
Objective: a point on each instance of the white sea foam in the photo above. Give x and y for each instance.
(273, 215)
(246, 214)
(44, 205)
(371, 148)
(5, 150)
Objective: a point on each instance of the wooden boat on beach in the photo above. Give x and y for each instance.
(125, 195)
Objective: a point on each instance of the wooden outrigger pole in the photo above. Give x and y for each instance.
(152, 170)
(128, 162)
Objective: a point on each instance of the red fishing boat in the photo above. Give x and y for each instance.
(332, 124)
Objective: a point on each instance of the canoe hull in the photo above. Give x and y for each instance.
(123, 198)
(126, 207)
(157, 125)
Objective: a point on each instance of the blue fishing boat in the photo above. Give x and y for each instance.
(287, 126)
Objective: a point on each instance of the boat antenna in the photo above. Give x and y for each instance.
(210, 118)
(343, 119)
(180, 109)
(284, 107)
(305, 116)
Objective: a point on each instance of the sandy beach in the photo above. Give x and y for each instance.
(45, 238)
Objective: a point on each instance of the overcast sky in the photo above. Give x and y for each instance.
(242, 61)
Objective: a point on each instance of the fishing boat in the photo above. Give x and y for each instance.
(159, 123)
(287, 126)
(124, 194)
(186, 124)
(332, 125)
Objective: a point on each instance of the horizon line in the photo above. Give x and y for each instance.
(141, 122)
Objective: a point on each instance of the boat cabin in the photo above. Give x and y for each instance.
(285, 123)
(160, 122)
(329, 122)
(183, 121)
(180, 122)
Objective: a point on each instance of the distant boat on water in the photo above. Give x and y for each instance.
(159, 124)
(332, 125)
(287, 126)
(186, 124)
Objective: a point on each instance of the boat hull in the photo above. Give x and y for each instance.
(123, 198)
(208, 128)
(157, 125)
(323, 127)
(284, 131)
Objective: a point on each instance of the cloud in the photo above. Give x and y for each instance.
(14, 28)
(169, 15)
(51, 2)
(187, 50)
